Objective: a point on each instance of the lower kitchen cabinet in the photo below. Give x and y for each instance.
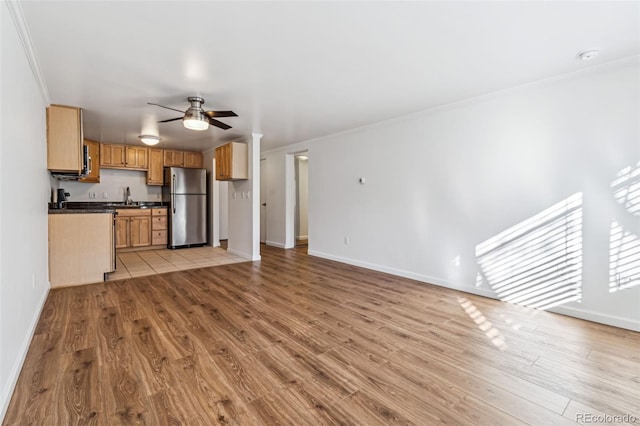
(140, 231)
(122, 232)
(159, 227)
(80, 248)
(133, 228)
(141, 228)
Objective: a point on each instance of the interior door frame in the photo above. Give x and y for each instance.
(290, 194)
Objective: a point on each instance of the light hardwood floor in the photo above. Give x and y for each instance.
(305, 341)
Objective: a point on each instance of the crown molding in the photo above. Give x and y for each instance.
(15, 11)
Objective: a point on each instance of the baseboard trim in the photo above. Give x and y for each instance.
(242, 254)
(600, 318)
(275, 244)
(22, 355)
(592, 316)
(427, 279)
(302, 237)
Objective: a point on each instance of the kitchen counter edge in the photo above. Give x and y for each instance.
(81, 211)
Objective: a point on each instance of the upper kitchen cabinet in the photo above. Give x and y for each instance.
(93, 175)
(155, 175)
(112, 156)
(173, 158)
(64, 139)
(136, 157)
(231, 161)
(193, 160)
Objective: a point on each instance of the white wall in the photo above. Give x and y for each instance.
(114, 183)
(440, 182)
(244, 208)
(24, 192)
(302, 198)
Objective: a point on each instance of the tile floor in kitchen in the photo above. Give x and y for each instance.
(151, 262)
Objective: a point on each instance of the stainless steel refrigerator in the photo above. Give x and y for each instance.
(186, 192)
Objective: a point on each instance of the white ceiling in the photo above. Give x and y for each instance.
(300, 70)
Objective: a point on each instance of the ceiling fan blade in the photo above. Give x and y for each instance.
(171, 119)
(219, 124)
(212, 114)
(162, 106)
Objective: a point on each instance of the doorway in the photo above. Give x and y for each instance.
(301, 213)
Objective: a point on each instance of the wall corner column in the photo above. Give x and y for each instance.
(254, 165)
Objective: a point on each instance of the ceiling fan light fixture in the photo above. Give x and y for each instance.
(194, 119)
(149, 139)
(195, 123)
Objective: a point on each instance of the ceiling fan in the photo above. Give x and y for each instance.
(196, 118)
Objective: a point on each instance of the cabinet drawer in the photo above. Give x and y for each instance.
(133, 212)
(159, 223)
(159, 212)
(158, 237)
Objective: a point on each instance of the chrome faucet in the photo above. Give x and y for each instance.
(128, 200)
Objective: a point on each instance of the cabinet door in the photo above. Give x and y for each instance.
(64, 138)
(140, 231)
(155, 174)
(112, 155)
(136, 157)
(122, 232)
(94, 162)
(173, 158)
(193, 160)
(221, 162)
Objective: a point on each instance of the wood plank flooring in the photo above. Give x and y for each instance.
(305, 341)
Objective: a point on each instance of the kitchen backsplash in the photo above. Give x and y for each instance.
(113, 183)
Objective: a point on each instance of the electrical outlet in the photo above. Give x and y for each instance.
(105, 195)
(346, 240)
(92, 195)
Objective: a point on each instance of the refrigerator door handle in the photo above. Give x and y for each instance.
(173, 197)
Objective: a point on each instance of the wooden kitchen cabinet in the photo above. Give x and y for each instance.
(231, 161)
(193, 160)
(64, 139)
(80, 248)
(112, 156)
(133, 228)
(155, 175)
(173, 158)
(136, 157)
(140, 231)
(94, 162)
(159, 227)
(122, 232)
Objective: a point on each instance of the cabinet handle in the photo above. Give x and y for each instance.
(90, 165)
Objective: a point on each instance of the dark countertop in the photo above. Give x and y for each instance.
(79, 207)
(81, 211)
